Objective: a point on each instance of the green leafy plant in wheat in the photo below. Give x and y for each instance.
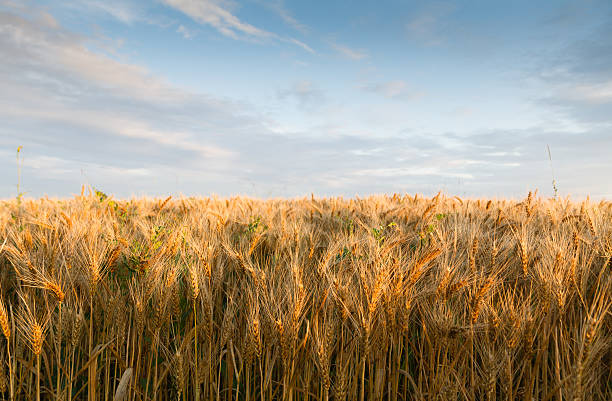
(380, 232)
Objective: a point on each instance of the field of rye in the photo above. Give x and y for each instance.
(385, 297)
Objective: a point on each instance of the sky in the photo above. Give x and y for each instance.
(280, 98)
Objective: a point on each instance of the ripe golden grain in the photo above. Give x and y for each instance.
(4, 320)
(496, 299)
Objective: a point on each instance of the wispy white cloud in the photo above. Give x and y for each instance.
(502, 154)
(305, 92)
(29, 42)
(464, 111)
(217, 14)
(411, 171)
(48, 20)
(429, 24)
(300, 44)
(52, 167)
(278, 6)
(123, 11)
(591, 93)
(97, 12)
(576, 79)
(187, 33)
(366, 152)
(353, 54)
(393, 90)
(179, 140)
(116, 123)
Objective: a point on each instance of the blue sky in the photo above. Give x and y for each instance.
(272, 98)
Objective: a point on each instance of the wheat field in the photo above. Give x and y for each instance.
(386, 297)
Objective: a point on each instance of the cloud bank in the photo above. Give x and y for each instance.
(86, 115)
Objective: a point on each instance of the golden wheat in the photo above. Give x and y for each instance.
(386, 297)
